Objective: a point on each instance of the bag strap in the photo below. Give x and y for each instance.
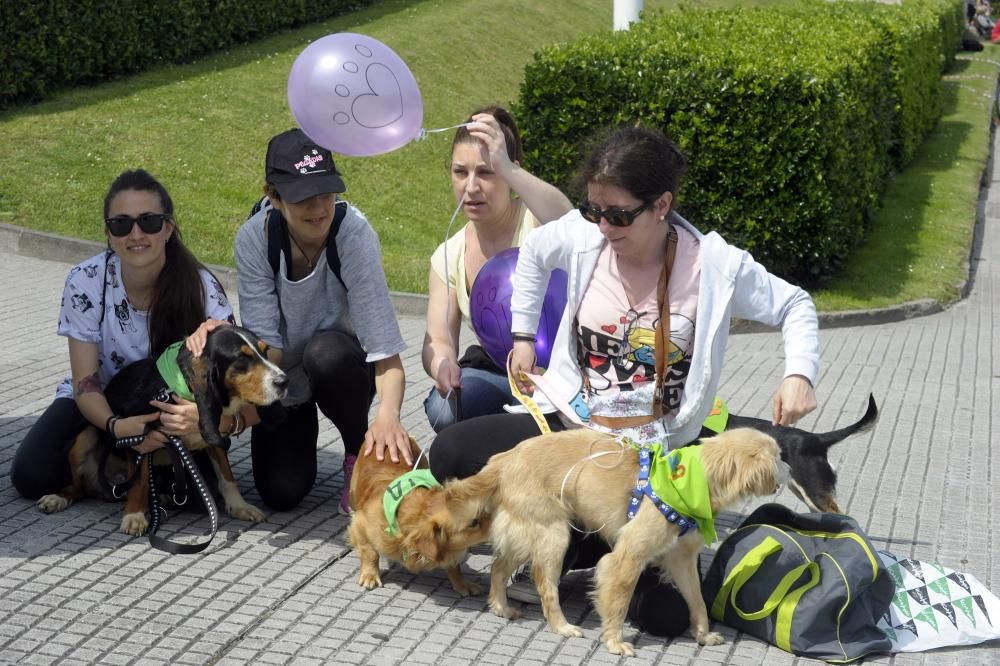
(746, 568)
(276, 229)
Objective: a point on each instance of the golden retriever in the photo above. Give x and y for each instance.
(428, 537)
(535, 490)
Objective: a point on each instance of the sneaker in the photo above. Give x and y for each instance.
(345, 495)
(522, 588)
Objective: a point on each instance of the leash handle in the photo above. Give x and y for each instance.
(526, 400)
(178, 449)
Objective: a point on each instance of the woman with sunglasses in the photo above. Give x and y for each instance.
(128, 303)
(503, 203)
(633, 261)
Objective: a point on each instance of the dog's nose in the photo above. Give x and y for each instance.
(280, 382)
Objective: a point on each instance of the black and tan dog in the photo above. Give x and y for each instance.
(812, 478)
(232, 371)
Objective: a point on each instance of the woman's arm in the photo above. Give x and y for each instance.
(440, 350)
(545, 201)
(766, 298)
(88, 391)
(386, 433)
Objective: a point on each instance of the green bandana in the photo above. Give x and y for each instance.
(399, 489)
(171, 372)
(678, 478)
(718, 417)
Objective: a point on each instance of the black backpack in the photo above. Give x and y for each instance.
(277, 236)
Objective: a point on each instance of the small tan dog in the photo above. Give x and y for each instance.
(536, 489)
(427, 536)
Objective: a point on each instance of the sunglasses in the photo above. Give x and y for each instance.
(616, 217)
(150, 223)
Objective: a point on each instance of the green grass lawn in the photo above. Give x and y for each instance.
(202, 128)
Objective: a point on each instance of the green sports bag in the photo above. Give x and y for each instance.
(811, 584)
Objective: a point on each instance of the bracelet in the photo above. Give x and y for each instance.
(523, 337)
(243, 425)
(109, 425)
(237, 428)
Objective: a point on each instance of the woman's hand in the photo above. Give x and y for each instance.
(523, 361)
(178, 418)
(794, 399)
(133, 426)
(388, 435)
(196, 341)
(448, 378)
(486, 128)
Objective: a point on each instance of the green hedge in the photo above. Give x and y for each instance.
(792, 118)
(48, 45)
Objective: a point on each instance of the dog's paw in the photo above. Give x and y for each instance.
(568, 630)
(624, 648)
(246, 512)
(505, 611)
(134, 523)
(467, 588)
(710, 638)
(52, 503)
(369, 581)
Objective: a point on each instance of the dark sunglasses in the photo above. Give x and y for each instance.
(616, 217)
(150, 223)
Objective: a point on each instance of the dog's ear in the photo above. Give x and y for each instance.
(428, 540)
(210, 402)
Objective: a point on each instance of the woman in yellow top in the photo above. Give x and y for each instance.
(503, 203)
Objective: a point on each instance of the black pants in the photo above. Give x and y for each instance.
(342, 385)
(41, 462)
(464, 448)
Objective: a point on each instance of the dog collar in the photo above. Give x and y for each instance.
(170, 371)
(400, 488)
(675, 482)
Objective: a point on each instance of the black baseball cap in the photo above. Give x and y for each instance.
(300, 168)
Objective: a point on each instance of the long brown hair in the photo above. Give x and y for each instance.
(178, 305)
(511, 135)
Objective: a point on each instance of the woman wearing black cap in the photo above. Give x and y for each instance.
(311, 285)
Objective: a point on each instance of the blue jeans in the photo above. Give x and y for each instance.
(483, 392)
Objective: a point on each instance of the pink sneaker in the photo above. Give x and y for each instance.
(345, 496)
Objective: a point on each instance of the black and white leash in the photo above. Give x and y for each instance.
(182, 458)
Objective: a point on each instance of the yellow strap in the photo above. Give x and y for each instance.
(748, 566)
(786, 610)
(527, 401)
(745, 569)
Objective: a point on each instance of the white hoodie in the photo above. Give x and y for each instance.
(732, 285)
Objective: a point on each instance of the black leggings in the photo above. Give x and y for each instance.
(464, 448)
(41, 462)
(342, 385)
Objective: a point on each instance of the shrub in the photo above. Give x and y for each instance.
(48, 45)
(792, 118)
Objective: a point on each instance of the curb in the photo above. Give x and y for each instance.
(52, 247)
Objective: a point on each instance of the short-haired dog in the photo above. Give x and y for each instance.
(233, 370)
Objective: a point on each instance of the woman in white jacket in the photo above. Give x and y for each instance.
(630, 259)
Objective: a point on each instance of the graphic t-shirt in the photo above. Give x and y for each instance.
(123, 335)
(616, 338)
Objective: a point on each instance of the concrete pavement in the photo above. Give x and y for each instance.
(923, 482)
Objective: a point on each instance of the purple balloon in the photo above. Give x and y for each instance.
(352, 94)
(489, 308)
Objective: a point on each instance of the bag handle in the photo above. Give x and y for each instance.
(745, 569)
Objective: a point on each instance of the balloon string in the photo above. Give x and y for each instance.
(424, 133)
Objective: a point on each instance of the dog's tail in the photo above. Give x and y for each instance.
(475, 494)
(827, 439)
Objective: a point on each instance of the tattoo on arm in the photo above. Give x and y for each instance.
(89, 384)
